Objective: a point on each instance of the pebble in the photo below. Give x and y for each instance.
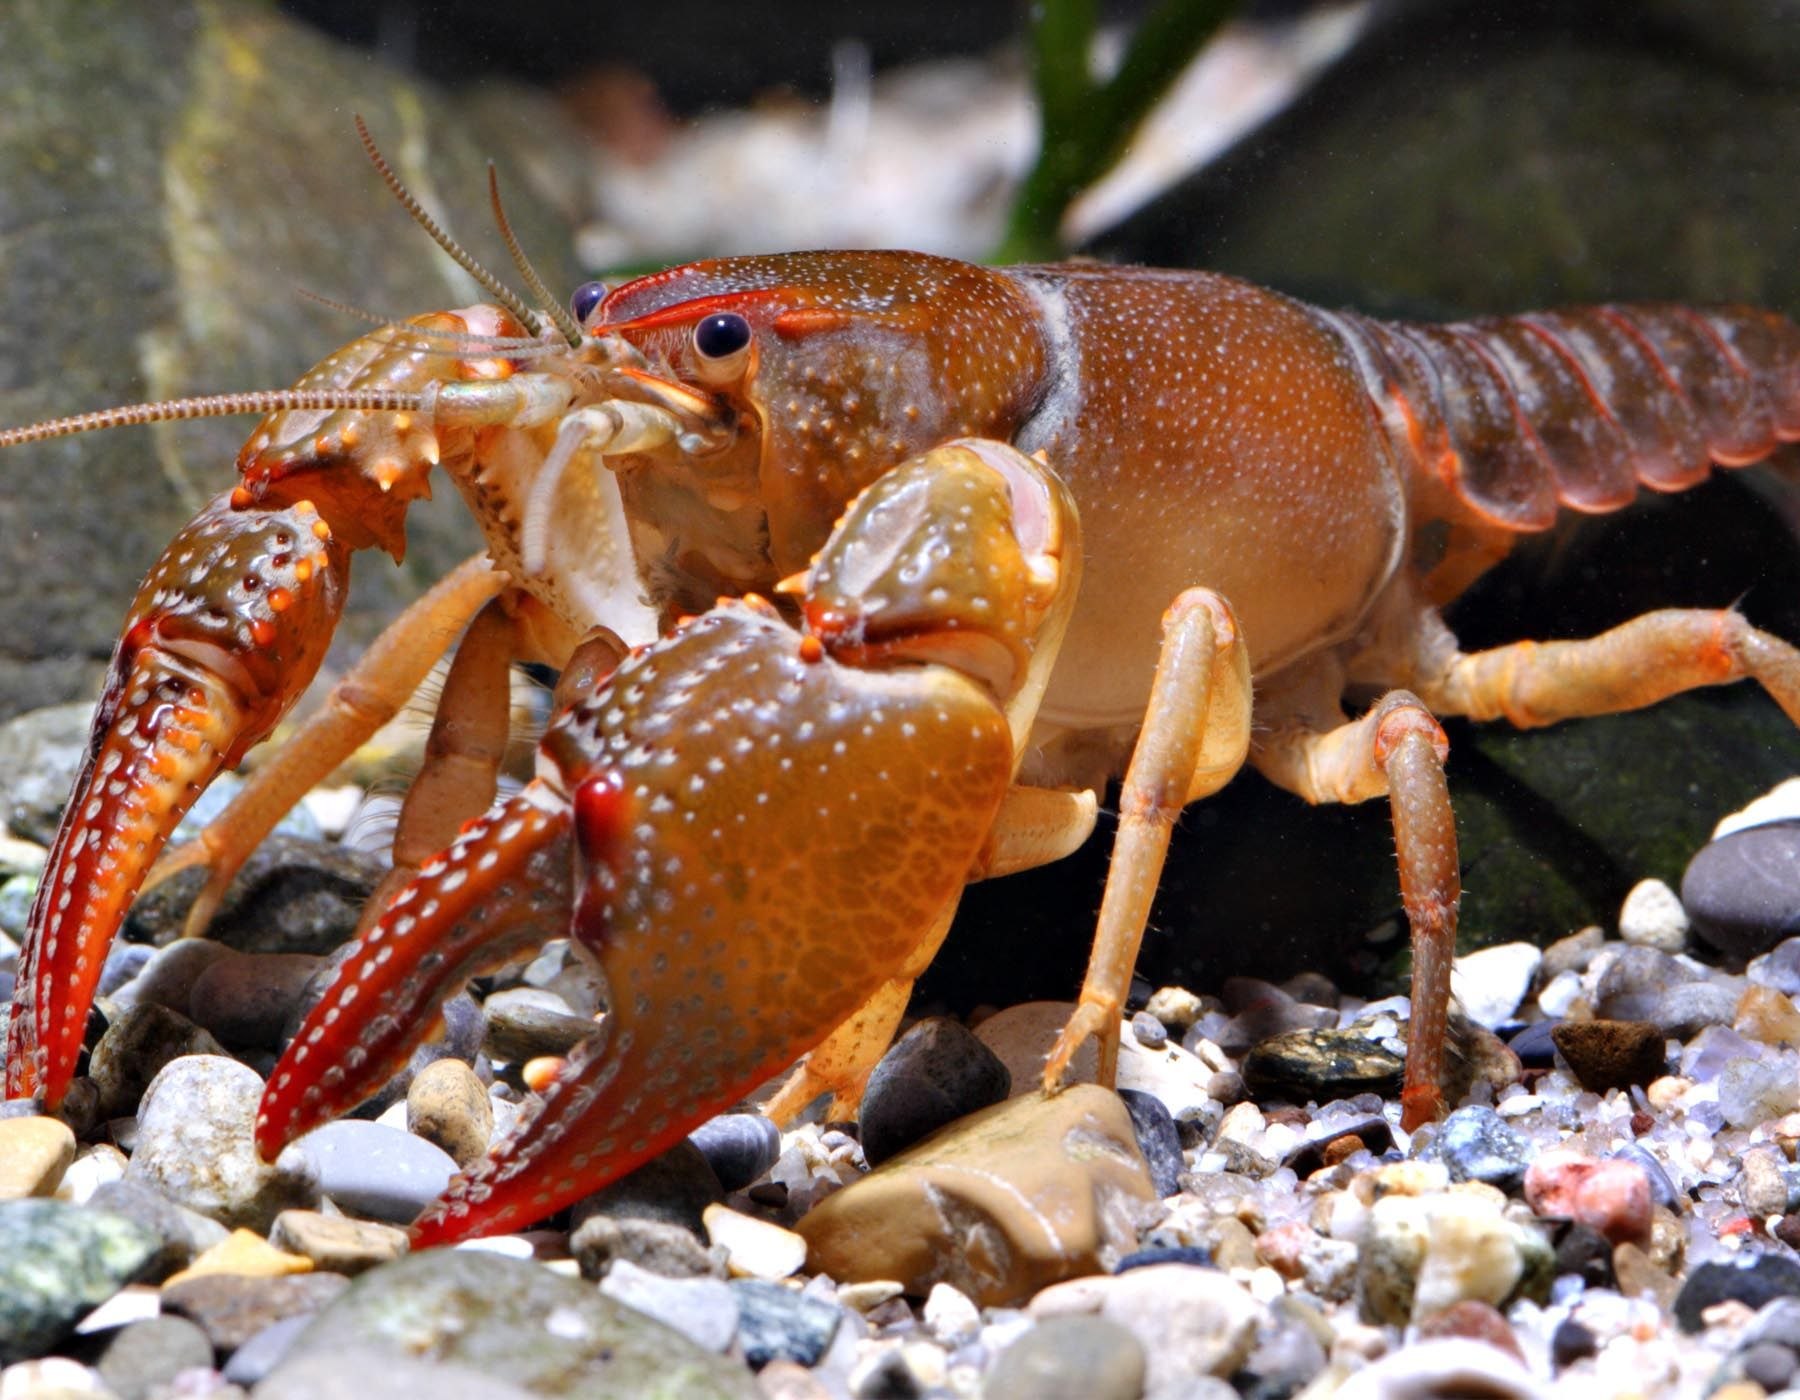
(1753, 1277)
(1608, 1054)
(58, 1262)
(1447, 1368)
(950, 1315)
(704, 1310)
(937, 1072)
(1491, 982)
(602, 1243)
(1477, 1144)
(374, 1170)
(232, 1308)
(16, 895)
(265, 1350)
(138, 1359)
(1188, 1321)
(676, 1187)
(93, 1167)
(448, 1106)
(526, 1023)
(183, 1234)
(1767, 1015)
(51, 1378)
(1421, 1254)
(1585, 1252)
(1608, 1195)
(1157, 1138)
(1149, 1032)
(336, 1243)
(34, 1154)
(1652, 917)
(1260, 1010)
(248, 999)
(1176, 1007)
(1322, 1065)
(141, 1040)
(739, 1147)
(754, 1248)
(1050, 1185)
(1072, 1357)
(782, 1324)
(1743, 890)
(243, 1253)
(195, 1145)
(168, 978)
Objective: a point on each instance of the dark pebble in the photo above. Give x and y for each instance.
(1477, 1144)
(1149, 1032)
(1534, 1046)
(1769, 1364)
(143, 1356)
(1751, 1278)
(1586, 1253)
(1572, 1342)
(265, 1351)
(1606, 1055)
(778, 1324)
(134, 1049)
(521, 1029)
(1157, 1138)
(1787, 1230)
(676, 1187)
(57, 1263)
(1662, 1190)
(1321, 1065)
(233, 1308)
(123, 962)
(739, 1147)
(934, 1074)
(1165, 1254)
(1743, 891)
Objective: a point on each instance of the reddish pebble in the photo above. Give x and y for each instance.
(1641, 1123)
(1476, 1320)
(1284, 1247)
(1608, 1196)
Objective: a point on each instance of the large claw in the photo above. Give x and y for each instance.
(225, 633)
(747, 833)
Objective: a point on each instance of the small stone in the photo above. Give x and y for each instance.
(93, 1167)
(704, 1310)
(1451, 1366)
(1534, 1045)
(1606, 1055)
(168, 978)
(676, 1187)
(1756, 1088)
(1572, 1342)
(1477, 1144)
(266, 1350)
(1176, 1007)
(1072, 1357)
(1752, 1277)
(1585, 1252)
(739, 1147)
(138, 1359)
(1149, 1032)
(196, 1145)
(1322, 1065)
(1046, 1187)
(1769, 1365)
(246, 1253)
(448, 1106)
(936, 1073)
(135, 1047)
(1477, 1321)
(1491, 982)
(1571, 953)
(776, 1323)
(754, 1248)
(1652, 917)
(374, 1170)
(231, 1309)
(1639, 1276)
(1743, 891)
(51, 1378)
(601, 1242)
(950, 1315)
(1189, 1321)
(34, 1154)
(1610, 1196)
(246, 999)
(1421, 1254)
(336, 1243)
(1767, 1015)
(1157, 1138)
(57, 1263)
(1762, 1185)
(526, 1023)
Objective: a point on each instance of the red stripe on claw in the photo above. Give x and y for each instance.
(502, 887)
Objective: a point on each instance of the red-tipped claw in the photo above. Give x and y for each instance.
(226, 632)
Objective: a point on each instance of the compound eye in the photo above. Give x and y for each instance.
(587, 297)
(722, 345)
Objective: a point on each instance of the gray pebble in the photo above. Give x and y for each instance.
(739, 1147)
(525, 1023)
(1157, 1138)
(143, 1356)
(246, 999)
(1076, 1357)
(185, 1234)
(778, 1324)
(1768, 1364)
(373, 1170)
(265, 1349)
(168, 978)
(1778, 968)
(1477, 1144)
(57, 1263)
(135, 1047)
(1149, 1032)
(937, 1072)
(704, 1310)
(1743, 890)
(196, 1145)
(123, 962)
(1662, 1190)
(602, 1242)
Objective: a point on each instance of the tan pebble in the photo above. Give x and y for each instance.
(1739, 1390)
(449, 1105)
(1638, 1277)
(1233, 1243)
(1409, 1179)
(1666, 1092)
(1766, 1015)
(49, 1378)
(754, 1248)
(788, 1380)
(1176, 1007)
(337, 1243)
(860, 1297)
(1243, 1122)
(34, 1154)
(243, 1252)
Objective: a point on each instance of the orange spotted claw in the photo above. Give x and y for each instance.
(225, 633)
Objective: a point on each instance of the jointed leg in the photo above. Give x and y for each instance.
(1399, 749)
(359, 704)
(1195, 736)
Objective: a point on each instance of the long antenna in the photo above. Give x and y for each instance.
(217, 406)
(563, 320)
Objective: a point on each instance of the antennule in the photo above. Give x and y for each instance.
(490, 283)
(563, 321)
(215, 406)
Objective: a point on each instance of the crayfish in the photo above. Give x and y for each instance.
(752, 823)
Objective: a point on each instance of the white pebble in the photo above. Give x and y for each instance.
(754, 1248)
(1492, 982)
(951, 1316)
(1652, 917)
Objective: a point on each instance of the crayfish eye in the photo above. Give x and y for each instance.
(587, 297)
(722, 342)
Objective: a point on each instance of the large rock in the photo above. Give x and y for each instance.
(58, 1262)
(158, 225)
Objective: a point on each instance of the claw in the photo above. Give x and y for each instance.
(225, 633)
